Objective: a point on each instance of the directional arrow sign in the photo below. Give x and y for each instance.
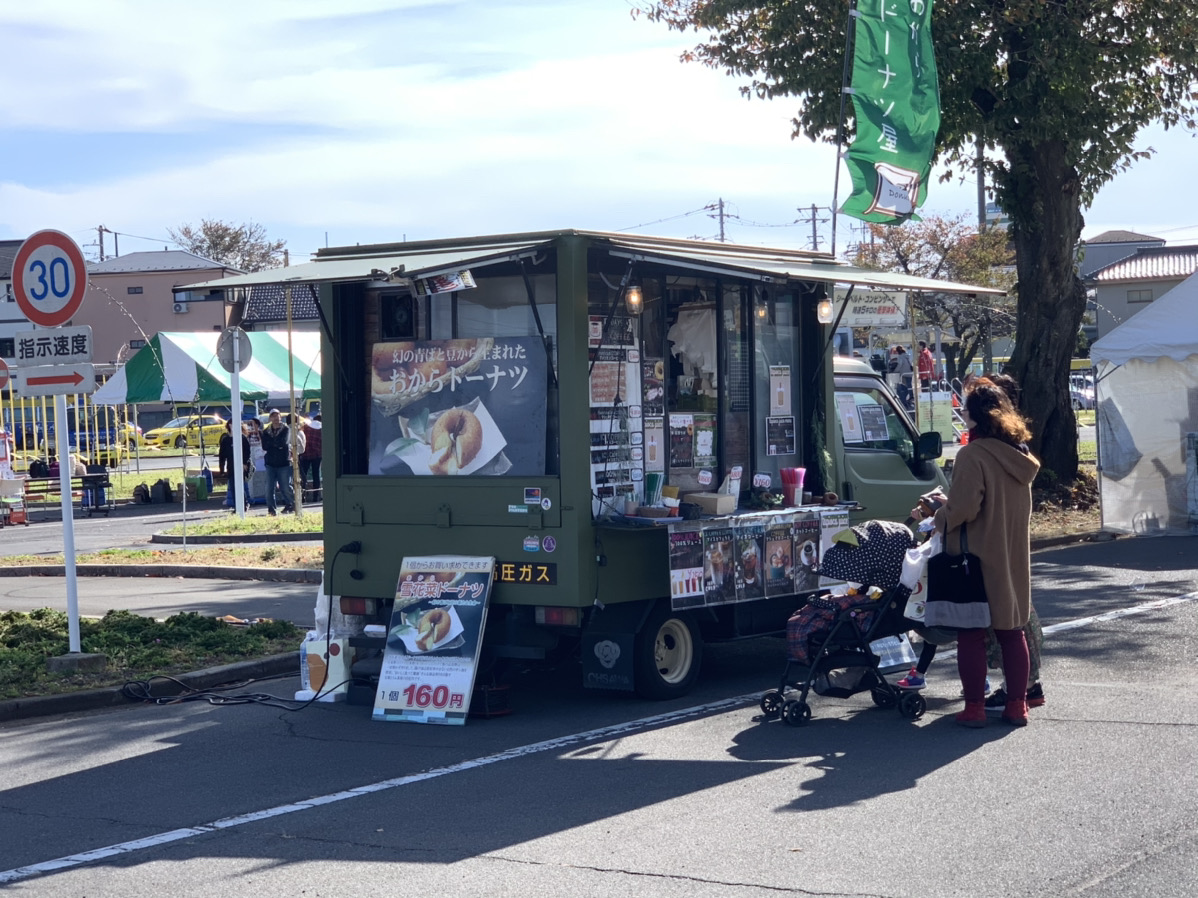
(55, 380)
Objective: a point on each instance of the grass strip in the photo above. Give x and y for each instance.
(137, 647)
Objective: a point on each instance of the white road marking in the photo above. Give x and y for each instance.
(610, 732)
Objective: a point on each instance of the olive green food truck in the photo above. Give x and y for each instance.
(618, 420)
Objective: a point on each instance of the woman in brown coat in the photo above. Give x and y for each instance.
(991, 494)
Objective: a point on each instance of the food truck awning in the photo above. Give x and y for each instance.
(780, 265)
(375, 266)
(391, 262)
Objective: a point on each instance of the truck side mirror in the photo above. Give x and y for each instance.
(929, 446)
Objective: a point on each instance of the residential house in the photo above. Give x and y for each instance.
(1125, 286)
(130, 298)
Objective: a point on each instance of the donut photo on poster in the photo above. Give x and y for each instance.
(453, 407)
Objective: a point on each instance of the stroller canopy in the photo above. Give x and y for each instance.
(872, 555)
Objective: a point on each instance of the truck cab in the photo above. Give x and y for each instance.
(882, 460)
(537, 398)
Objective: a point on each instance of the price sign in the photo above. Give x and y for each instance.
(49, 278)
(434, 639)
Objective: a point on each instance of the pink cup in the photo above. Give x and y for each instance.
(788, 494)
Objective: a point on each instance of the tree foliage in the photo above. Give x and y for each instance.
(244, 247)
(1057, 90)
(951, 249)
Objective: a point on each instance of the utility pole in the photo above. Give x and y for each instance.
(980, 159)
(100, 231)
(722, 239)
(815, 221)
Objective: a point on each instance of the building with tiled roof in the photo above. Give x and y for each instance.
(1129, 284)
(1111, 246)
(266, 308)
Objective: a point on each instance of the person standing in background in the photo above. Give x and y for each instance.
(8, 449)
(276, 447)
(927, 366)
(310, 457)
(902, 367)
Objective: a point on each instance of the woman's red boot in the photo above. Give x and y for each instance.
(974, 715)
(1016, 713)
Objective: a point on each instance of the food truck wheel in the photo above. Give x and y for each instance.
(669, 652)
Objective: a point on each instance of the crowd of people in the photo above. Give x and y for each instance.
(272, 451)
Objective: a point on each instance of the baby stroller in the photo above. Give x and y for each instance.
(828, 639)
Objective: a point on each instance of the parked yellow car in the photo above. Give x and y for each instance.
(190, 431)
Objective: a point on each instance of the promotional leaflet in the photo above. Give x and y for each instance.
(686, 566)
(750, 564)
(806, 533)
(719, 565)
(831, 522)
(434, 639)
(779, 553)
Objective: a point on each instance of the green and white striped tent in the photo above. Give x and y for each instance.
(183, 367)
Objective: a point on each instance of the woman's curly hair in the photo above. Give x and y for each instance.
(989, 407)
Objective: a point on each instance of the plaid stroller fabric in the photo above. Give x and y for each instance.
(815, 619)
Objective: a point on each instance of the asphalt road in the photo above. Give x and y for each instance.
(600, 794)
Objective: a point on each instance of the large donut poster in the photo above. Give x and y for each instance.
(465, 406)
(434, 639)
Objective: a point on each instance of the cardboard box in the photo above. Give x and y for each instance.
(712, 503)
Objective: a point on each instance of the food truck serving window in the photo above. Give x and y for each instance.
(461, 381)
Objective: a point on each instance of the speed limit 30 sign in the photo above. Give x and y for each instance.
(49, 278)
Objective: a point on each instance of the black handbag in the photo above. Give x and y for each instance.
(956, 591)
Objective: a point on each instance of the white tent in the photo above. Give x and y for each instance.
(1147, 390)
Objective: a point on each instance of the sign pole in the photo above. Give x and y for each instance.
(68, 519)
(235, 430)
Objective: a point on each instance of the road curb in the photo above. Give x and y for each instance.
(199, 571)
(1089, 536)
(111, 696)
(219, 540)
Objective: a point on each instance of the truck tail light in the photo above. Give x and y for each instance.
(558, 617)
(357, 605)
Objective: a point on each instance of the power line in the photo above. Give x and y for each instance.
(646, 224)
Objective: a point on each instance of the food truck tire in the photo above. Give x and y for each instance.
(668, 652)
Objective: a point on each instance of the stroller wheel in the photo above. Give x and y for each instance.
(796, 713)
(883, 698)
(912, 706)
(771, 704)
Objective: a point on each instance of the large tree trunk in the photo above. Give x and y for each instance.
(1046, 225)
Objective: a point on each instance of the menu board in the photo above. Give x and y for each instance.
(616, 435)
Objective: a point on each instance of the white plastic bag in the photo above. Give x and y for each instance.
(916, 561)
(915, 575)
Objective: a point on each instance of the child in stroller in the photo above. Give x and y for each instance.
(828, 639)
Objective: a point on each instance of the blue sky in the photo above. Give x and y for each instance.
(362, 121)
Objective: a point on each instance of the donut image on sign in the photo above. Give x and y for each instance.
(459, 440)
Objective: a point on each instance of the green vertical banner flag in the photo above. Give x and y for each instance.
(897, 101)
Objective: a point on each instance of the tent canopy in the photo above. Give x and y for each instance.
(183, 367)
(1168, 328)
